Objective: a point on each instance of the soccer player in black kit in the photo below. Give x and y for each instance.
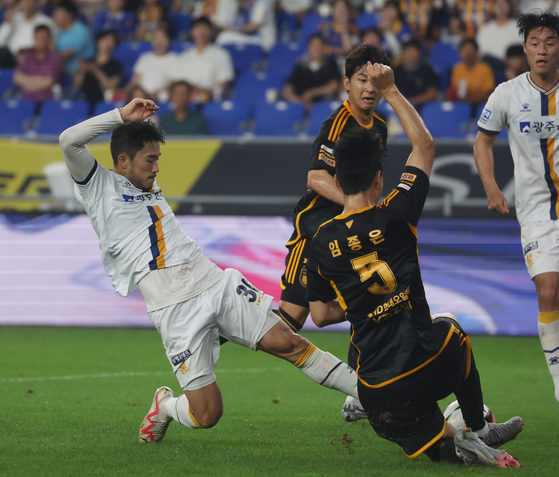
(363, 266)
(323, 200)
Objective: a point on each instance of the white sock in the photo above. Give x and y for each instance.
(179, 410)
(482, 433)
(327, 370)
(548, 328)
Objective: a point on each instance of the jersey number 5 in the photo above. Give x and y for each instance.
(369, 265)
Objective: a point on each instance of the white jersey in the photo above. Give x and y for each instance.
(530, 116)
(137, 230)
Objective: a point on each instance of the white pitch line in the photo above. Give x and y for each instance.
(120, 375)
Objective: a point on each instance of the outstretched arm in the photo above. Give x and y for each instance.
(423, 145)
(77, 156)
(483, 155)
(324, 314)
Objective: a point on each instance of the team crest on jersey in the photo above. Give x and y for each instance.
(485, 115)
(181, 357)
(531, 246)
(524, 126)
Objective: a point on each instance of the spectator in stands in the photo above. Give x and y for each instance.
(415, 79)
(74, 41)
(516, 62)
(497, 35)
(374, 36)
(17, 32)
(339, 32)
(222, 14)
(456, 31)
(182, 120)
(299, 8)
(471, 80)
(40, 69)
(396, 32)
(154, 70)
(151, 16)
(423, 17)
(260, 29)
(315, 77)
(116, 19)
(99, 78)
(538, 5)
(205, 66)
(475, 14)
(89, 8)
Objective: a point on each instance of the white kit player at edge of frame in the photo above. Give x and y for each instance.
(189, 299)
(527, 107)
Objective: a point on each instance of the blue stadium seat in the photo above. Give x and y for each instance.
(283, 57)
(179, 25)
(446, 119)
(104, 106)
(310, 25)
(253, 87)
(286, 24)
(127, 53)
(244, 56)
(56, 116)
(13, 114)
(278, 119)
(320, 112)
(443, 57)
(367, 20)
(6, 80)
(226, 118)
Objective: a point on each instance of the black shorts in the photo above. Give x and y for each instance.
(406, 411)
(294, 279)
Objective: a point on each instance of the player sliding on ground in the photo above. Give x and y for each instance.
(189, 299)
(363, 267)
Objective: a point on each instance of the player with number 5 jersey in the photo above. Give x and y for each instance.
(527, 107)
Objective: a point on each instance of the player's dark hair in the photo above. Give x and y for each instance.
(360, 55)
(359, 156)
(532, 21)
(131, 137)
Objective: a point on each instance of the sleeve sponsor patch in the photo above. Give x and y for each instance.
(327, 158)
(404, 186)
(406, 176)
(485, 115)
(327, 149)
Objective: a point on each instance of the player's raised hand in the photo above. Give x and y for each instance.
(497, 202)
(381, 76)
(137, 110)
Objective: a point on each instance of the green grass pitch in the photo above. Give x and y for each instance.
(72, 399)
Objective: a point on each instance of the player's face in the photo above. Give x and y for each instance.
(542, 51)
(362, 93)
(144, 167)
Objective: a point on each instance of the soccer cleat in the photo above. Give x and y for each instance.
(503, 432)
(471, 449)
(352, 410)
(154, 426)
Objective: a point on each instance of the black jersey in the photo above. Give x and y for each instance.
(313, 210)
(368, 261)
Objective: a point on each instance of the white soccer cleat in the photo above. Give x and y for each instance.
(154, 426)
(352, 410)
(471, 449)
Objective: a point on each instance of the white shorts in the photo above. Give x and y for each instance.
(190, 330)
(540, 244)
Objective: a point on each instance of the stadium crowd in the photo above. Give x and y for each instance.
(228, 67)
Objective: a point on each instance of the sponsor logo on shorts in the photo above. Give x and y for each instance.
(180, 358)
(531, 246)
(303, 277)
(524, 126)
(553, 360)
(183, 369)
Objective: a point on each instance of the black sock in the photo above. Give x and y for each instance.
(291, 322)
(443, 450)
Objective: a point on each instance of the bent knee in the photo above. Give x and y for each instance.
(208, 419)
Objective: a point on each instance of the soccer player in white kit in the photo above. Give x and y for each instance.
(527, 106)
(189, 299)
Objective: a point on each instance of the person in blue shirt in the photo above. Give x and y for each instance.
(74, 41)
(116, 19)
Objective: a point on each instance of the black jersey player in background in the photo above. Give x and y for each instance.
(363, 266)
(323, 200)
